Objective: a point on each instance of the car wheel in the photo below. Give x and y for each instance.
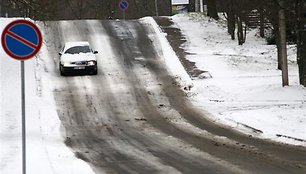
(95, 72)
(62, 70)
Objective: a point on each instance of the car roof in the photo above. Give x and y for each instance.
(72, 44)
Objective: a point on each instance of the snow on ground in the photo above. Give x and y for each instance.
(46, 151)
(245, 90)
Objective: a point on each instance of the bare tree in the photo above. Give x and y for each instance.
(212, 9)
(236, 14)
(231, 21)
(301, 38)
(241, 29)
(262, 19)
(1, 8)
(36, 9)
(86, 9)
(283, 43)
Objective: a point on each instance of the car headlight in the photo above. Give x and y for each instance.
(65, 63)
(91, 63)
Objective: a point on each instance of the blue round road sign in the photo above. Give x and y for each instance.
(21, 39)
(123, 5)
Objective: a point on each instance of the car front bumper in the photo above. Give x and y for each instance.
(92, 68)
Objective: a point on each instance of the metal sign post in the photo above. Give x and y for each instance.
(156, 8)
(23, 118)
(21, 40)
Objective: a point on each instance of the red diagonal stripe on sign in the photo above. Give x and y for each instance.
(24, 41)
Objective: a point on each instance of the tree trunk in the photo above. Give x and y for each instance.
(302, 63)
(301, 38)
(283, 44)
(212, 9)
(240, 31)
(191, 7)
(197, 5)
(81, 9)
(231, 19)
(279, 50)
(0, 8)
(262, 20)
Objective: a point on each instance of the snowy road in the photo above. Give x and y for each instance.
(133, 116)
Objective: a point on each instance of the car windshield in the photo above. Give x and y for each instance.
(78, 49)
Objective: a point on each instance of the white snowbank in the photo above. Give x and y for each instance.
(175, 67)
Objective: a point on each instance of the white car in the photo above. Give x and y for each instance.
(77, 57)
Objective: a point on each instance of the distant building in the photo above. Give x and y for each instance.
(179, 6)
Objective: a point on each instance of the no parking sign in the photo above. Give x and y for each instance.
(123, 5)
(21, 39)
